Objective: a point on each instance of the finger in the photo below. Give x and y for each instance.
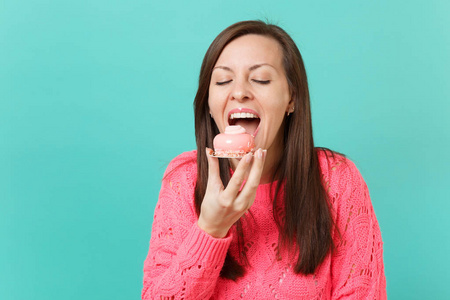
(238, 177)
(254, 178)
(213, 168)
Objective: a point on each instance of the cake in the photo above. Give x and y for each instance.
(233, 143)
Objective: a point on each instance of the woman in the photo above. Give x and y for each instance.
(290, 222)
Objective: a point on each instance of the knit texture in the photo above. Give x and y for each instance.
(184, 262)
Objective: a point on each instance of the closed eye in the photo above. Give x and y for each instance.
(261, 81)
(223, 82)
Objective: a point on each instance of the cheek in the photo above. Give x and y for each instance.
(216, 100)
(217, 94)
(276, 106)
(215, 109)
(278, 103)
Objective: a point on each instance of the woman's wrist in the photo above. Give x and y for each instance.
(214, 232)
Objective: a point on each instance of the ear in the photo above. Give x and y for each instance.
(291, 105)
(290, 108)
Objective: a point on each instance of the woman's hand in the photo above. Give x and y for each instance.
(221, 208)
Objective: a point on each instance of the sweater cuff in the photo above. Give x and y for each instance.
(201, 247)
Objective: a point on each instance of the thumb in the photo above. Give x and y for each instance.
(213, 168)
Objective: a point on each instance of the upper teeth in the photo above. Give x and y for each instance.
(242, 115)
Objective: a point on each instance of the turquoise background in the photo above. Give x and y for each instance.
(96, 98)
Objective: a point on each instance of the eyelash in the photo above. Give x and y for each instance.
(264, 82)
(223, 82)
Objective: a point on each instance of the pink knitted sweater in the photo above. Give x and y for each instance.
(184, 262)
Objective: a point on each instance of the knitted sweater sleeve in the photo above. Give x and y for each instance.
(183, 261)
(357, 269)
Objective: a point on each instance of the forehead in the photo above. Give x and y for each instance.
(251, 49)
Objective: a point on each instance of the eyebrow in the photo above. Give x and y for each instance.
(252, 68)
(260, 65)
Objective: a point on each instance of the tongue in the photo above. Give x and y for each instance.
(250, 125)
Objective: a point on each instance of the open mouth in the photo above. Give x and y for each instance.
(245, 118)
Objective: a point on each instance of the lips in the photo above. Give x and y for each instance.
(245, 117)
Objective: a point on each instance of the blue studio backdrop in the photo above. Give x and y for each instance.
(96, 98)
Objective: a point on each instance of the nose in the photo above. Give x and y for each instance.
(241, 91)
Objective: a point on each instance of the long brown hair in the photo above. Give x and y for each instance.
(306, 222)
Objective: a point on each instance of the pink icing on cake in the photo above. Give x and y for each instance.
(235, 142)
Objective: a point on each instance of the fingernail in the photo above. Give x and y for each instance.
(259, 153)
(248, 157)
(264, 152)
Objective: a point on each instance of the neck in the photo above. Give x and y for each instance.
(271, 164)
